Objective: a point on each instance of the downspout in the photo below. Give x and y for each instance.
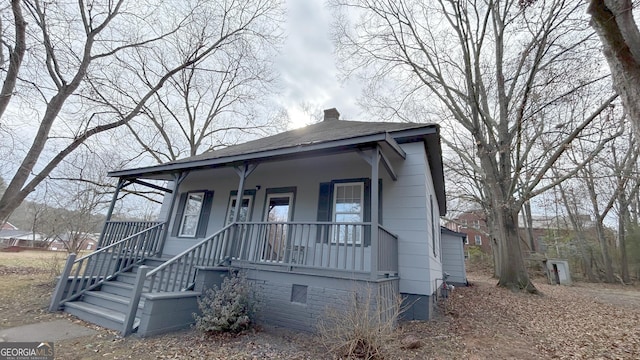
(119, 186)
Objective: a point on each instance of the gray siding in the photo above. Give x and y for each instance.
(406, 213)
(453, 258)
(405, 202)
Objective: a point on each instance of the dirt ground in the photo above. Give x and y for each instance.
(584, 321)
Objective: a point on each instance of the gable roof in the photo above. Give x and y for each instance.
(324, 137)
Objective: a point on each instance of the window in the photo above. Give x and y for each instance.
(247, 200)
(191, 214)
(466, 240)
(433, 227)
(476, 224)
(348, 207)
(478, 240)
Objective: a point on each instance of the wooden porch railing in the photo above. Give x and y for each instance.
(387, 252)
(178, 273)
(114, 231)
(339, 247)
(323, 245)
(91, 271)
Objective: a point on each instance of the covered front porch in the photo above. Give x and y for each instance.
(300, 211)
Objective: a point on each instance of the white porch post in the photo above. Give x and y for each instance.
(375, 221)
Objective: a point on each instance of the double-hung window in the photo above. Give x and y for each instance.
(348, 200)
(245, 208)
(191, 215)
(478, 239)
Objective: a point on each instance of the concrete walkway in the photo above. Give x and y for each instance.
(48, 331)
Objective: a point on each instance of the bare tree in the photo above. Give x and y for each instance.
(211, 105)
(521, 84)
(78, 79)
(607, 182)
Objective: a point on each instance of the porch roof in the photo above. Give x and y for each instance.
(325, 137)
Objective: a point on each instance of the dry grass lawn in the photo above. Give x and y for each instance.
(585, 321)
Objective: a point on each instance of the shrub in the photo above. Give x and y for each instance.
(361, 328)
(231, 308)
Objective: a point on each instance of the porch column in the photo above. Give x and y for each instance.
(243, 172)
(177, 180)
(375, 221)
(119, 186)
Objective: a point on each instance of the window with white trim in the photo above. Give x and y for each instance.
(244, 209)
(348, 207)
(191, 215)
(466, 240)
(478, 240)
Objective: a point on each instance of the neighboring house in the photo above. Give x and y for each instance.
(23, 238)
(86, 242)
(8, 226)
(474, 225)
(453, 256)
(312, 215)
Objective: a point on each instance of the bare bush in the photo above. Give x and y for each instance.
(361, 328)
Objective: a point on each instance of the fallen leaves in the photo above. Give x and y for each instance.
(482, 321)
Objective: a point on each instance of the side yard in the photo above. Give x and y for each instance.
(481, 321)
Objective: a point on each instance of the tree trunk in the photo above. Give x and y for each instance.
(528, 221)
(604, 248)
(623, 220)
(513, 273)
(614, 23)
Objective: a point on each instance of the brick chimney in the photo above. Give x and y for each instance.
(331, 115)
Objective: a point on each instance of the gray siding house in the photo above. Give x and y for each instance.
(312, 215)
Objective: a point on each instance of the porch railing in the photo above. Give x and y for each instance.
(387, 252)
(114, 231)
(336, 246)
(340, 247)
(89, 272)
(178, 274)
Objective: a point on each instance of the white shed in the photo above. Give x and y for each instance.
(453, 256)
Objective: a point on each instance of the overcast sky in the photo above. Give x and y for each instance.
(307, 65)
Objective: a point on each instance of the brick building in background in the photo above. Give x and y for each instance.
(474, 224)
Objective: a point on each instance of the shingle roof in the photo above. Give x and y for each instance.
(328, 135)
(324, 131)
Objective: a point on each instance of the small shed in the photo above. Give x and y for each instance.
(453, 256)
(558, 272)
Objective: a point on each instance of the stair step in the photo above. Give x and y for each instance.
(155, 262)
(110, 301)
(98, 315)
(117, 288)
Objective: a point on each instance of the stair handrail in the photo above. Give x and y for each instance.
(209, 261)
(90, 279)
(186, 278)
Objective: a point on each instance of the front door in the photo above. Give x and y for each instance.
(277, 214)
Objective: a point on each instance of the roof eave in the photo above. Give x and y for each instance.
(305, 149)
